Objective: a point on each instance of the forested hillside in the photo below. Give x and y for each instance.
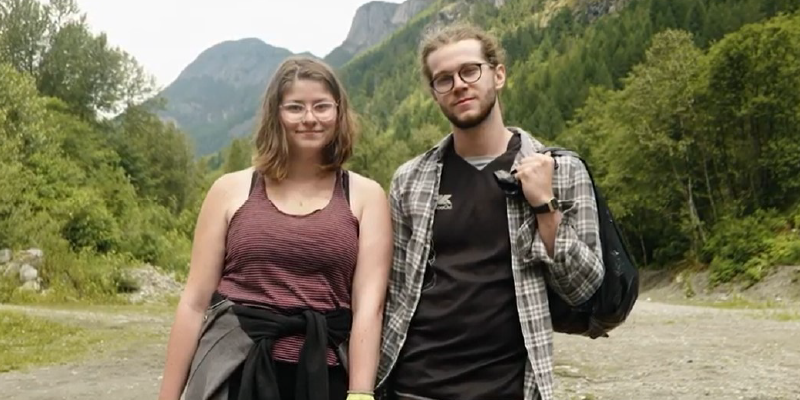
(96, 195)
(687, 110)
(215, 97)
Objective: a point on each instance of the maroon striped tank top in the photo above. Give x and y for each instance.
(288, 262)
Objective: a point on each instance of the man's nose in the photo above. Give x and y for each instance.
(458, 83)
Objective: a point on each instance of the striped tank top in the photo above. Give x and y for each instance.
(287, 263)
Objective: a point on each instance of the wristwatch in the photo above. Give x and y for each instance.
(550, 206)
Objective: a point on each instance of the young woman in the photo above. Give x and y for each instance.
(290, 261)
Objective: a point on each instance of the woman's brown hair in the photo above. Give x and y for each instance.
(272, 147)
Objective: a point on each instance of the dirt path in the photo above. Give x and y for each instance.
(683, 352)
(664, 352)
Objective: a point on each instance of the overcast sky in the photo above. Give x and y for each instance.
(166, 35)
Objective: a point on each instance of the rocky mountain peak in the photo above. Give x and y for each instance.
(373, 22)
(238, 62)
(408, 10)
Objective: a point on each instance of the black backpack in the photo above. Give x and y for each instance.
(610, 306)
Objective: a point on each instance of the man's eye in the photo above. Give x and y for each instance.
(470, 71)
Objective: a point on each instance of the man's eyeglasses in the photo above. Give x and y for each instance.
(469, 73)
(295, 112)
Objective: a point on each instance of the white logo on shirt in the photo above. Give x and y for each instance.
(443, 202)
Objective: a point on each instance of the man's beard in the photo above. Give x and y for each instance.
(472, 122)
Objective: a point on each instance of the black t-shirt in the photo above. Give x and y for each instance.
(465, 340)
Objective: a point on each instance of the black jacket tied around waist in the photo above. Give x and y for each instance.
(264, 327)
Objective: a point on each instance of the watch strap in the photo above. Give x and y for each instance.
(547, 207)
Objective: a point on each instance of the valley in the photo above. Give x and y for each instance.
(687, 112)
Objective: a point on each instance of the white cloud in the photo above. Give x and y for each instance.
(166, 35)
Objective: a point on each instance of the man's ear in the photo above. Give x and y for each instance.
(499, 76)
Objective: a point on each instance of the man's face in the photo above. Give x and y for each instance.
(466, 99)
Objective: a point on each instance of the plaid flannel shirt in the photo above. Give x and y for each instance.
(575, 271)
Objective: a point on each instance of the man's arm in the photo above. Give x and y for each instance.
(401, 234)
(568, 242)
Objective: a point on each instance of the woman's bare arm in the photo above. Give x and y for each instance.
(369, 284)
(205, 269)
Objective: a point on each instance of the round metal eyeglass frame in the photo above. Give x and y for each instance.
(306, 109)
(450, 81)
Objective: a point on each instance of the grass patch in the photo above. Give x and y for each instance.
(734, 303)
(741, 303)
(585, 396)
(782, 316)
(28, 341)
(152, 309)
(786, 316)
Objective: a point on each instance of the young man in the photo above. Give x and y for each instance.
(467, 314)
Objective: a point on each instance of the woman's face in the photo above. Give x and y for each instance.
(308, 114)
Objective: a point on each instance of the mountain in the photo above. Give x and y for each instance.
(373, 22)
(675, 105)
(686, 111)
(214, 97)
(557, 51)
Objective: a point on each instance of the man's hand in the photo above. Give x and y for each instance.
(535, 174)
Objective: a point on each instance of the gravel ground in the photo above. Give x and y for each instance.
(664, 351)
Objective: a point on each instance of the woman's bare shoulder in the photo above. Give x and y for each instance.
(230, 190)
(364, 186)
(365, 193)
(232, 180)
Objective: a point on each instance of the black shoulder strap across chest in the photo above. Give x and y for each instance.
(346, 185)
(253, 180)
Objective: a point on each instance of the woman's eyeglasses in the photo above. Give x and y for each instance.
(324, 111)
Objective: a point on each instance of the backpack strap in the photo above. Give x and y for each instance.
(253, 180)
(346, 185)
(562, 152)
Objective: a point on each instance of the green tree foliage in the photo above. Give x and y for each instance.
(97, 195)
(686, 109)
(698, 148)
(52, 42)
(238, 155)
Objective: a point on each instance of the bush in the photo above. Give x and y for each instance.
(91, 226)
(746, 248)
(740, 239)
(84, 276)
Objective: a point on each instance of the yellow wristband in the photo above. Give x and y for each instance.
(360, 396)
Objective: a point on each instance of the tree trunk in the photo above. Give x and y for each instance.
(708, 189)
(693, 210)
(644, 249)
(689, 197)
